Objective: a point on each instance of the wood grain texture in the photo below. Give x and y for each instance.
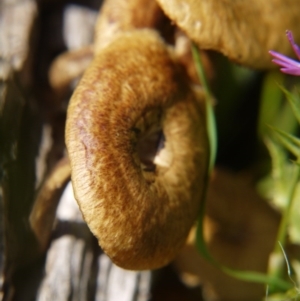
(75, 270)
(141, 216)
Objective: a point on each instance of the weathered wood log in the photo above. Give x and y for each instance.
(76, 269)
(73, 267)
(19, 134)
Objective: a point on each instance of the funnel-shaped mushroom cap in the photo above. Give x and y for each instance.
(242, 30)
(137, 144)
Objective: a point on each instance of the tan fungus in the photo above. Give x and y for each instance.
(139, 204)
(242, 30)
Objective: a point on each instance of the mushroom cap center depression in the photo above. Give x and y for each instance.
(151, 145)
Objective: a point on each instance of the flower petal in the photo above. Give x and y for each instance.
(291, 71)
(281, 64)
(292, 42)
(285, 64)
(283, 60)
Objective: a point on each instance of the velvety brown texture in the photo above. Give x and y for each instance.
(242, 30)
(68, 66)
(42, 215)
(122, 15)
(141, 215)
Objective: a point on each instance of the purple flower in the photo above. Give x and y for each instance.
(288, 65)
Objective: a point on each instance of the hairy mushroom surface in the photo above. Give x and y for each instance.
(242, 30)
(124, 15)
(137, 144)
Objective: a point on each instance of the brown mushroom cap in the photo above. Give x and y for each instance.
(242, 30)
(122, 15)
(134, 93)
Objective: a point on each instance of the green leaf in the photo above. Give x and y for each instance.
(294, 101)
(294, 215)
(271, 99)
(290, 142)
(258, 278)
(286, 194)
(290, 295)
(282, 172)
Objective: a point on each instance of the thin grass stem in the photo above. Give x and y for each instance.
(210, 117)
(283, 227)
(200, 241)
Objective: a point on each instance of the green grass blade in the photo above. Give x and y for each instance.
(212, 139)
(271, 99)
(200, 241)
(290, 142)
(257, 277)
(210, 116)
(294, 102)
